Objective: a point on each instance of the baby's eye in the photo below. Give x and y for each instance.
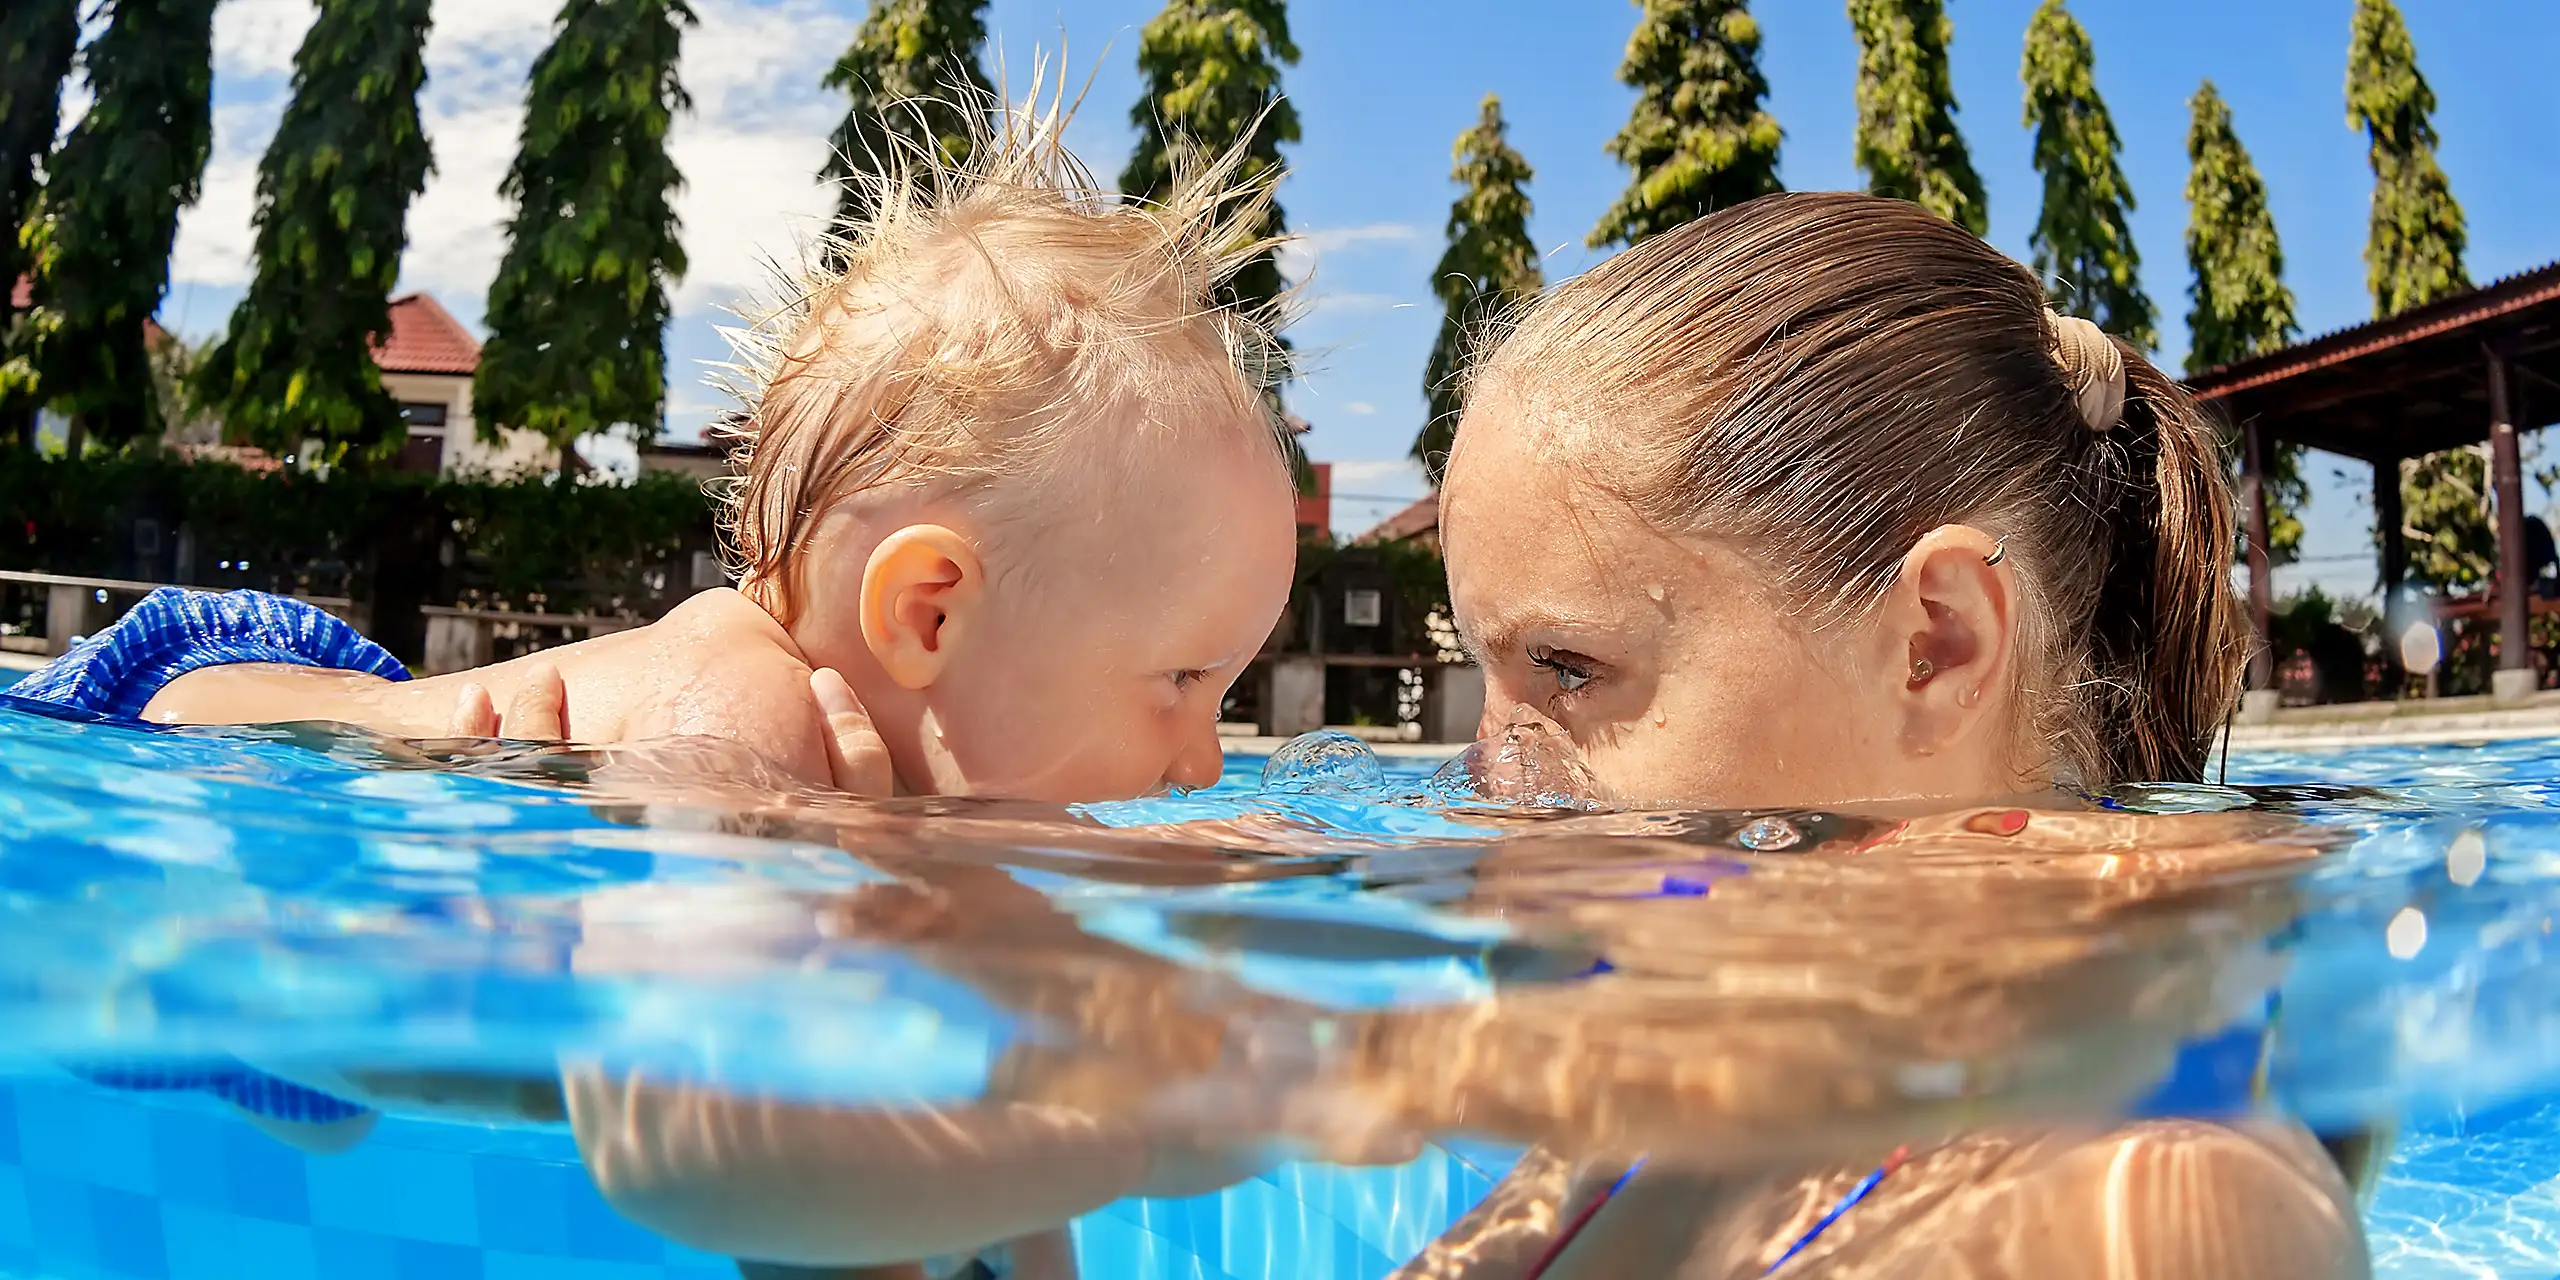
(1186, 679)
(1571, 670)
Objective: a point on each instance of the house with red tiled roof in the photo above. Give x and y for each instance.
(427, 360)
(1417, 523)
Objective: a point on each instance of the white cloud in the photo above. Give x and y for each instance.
(1300, 257)
(253, 38)
(1360, 407)
(1329, 239)
(1381, 477)
(1351, 302)
(749, 150)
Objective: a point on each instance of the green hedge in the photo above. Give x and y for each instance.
(531, 544)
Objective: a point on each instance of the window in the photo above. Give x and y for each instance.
(1362, 607)
(419, 414)
(424, 452)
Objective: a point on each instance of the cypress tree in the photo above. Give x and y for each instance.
(578, 313)
(1212, 71)
(914, 80)
(1907, 142)
(100, 237)
(2083, 239)
(1212, 75)
(333, 203)
(37, 40)
(1491, 264)
(1699, 138)
(2413, 256)
(2239, 305)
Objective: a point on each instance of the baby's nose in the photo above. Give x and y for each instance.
(1198, 762)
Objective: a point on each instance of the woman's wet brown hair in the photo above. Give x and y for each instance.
(1823, 378)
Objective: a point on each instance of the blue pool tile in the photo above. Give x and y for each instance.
(58, 1211)
(680, 1258)
(187, 1159)
(16, 1232)
(1112, 1246)
(503, 1265)
(264, 1177)
(353, 1255)
(1262, 1238)
(523, 1206)
(596, 1231)
(423, 1260)
(130, 1239)
(88, 1138)
(277, 1251)
(8, 1125)
(204, 1244)
(390, 1191)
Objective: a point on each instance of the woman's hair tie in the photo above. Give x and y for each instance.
(2092, 367)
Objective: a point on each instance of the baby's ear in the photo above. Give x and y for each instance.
(919, 592)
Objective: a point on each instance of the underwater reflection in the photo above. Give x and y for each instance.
(755, 1006)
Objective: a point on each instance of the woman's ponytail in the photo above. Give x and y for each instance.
(2168, 641)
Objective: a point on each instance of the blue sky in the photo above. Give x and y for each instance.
(1383, 86)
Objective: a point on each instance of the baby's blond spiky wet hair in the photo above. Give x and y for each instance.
(988, 315)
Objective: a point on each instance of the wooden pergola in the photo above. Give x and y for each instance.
(2481, 365)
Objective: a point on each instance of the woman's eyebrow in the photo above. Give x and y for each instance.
(1503, 634)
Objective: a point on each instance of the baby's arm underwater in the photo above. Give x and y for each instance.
(794, 1179)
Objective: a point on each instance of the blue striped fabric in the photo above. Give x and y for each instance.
(116, 672)
(250, 1090)
(174, 631)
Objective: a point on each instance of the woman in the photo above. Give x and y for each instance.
(1813, 501)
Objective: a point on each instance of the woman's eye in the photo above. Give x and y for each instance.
(1571, 670)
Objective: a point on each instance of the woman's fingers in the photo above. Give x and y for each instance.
(855, 753)
(540, 710)
(474, 715)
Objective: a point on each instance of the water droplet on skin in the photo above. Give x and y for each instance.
(2467, 858)
(2407, 935)
(1659, 719)
(1768, 835)
(1943, 1079)
(1654, 593)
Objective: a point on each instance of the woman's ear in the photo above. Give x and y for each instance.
(1954, 608)
(920, 591)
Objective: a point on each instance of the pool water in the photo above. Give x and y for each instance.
(291, 905)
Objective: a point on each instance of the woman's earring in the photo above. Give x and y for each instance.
(1922, 669)
(1999, 552)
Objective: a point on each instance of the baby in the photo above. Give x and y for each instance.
(1009, 470)
(1008, 478)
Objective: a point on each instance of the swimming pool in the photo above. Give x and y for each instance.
(279, 901)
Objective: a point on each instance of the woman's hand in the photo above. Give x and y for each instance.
(855, 754)
(538, 713)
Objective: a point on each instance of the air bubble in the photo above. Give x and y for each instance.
(1325, 760)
